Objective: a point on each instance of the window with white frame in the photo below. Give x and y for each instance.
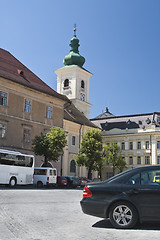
(147, 160)
(82, 84)
(123, 146)
(131, 145)
(27, 107)
(138, 145)
(130, 160)
(3, 98)
(138, 160)
(158, 159)
(147, 144)
(49, 112)
(158, 144)
(66, 83)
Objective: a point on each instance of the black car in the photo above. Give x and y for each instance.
(126, 198)
(72, 182)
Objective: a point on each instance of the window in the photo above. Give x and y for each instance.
(26, 135)
(27, 107)
(135, 179)
(123, 146)
(130, 160)
(158, 144)
(147, 160)
(150, 177)
(131, 145)
(73, 166)
(49, 112)
(2, 130)
(158, 159)
(16, 160)
(138, 145)
(138, 160)
(82, 84)
(73, 140)
(3, 98)
(66, 83)
(147, 144)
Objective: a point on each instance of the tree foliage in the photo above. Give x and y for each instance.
(90, 153)
(112, 152)
(50, 145)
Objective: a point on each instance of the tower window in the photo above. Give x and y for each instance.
(82, 84)
(73, 140)
(66, 83)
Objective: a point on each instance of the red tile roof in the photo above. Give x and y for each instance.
(71, 113)
(12, 69)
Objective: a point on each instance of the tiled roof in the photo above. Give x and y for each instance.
(71, 113)
(14, 70)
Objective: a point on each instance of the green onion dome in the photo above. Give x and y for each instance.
(74, 58)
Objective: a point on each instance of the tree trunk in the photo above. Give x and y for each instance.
(90, 172)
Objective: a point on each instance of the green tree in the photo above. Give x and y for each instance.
(50, 145)
(90, 153)
(112, 152)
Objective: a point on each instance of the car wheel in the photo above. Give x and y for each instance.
(39, 184)
(123, 215)
(12, 182)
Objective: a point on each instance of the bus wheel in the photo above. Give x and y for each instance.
(12, 182)
(39, 184)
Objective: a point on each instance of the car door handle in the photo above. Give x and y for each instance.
(132, 191)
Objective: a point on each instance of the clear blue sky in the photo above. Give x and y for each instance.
(120, 40)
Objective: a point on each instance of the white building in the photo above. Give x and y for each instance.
(137, 135)
(73, 80)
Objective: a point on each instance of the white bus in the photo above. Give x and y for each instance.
(16, 168)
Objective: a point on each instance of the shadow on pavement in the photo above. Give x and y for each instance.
(105, 223)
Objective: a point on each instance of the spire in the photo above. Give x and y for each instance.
(74, 58)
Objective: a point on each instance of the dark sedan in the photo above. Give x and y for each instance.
(126, 198)
(72, 182)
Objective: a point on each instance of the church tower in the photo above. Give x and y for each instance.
(73, 79)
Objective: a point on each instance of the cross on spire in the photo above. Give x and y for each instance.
(75, 29)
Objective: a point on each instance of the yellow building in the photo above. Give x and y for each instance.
(75, 125)
(28, 106)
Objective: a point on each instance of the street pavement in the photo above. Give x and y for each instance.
(55, 214)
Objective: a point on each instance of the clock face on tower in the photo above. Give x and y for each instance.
(82, 97)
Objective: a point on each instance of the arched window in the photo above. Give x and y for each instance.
(73, 166)
(82, 84)
(66, 83)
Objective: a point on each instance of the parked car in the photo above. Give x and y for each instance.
(126, 198)
(44, 176)
(83, 181)
(61, 181)
(73, 182)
